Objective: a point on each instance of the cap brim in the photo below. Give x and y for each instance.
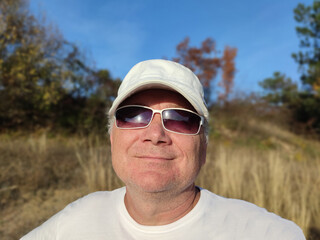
(153, 84)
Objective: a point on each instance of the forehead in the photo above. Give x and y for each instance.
(163, 97)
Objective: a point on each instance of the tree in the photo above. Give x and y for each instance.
(307, 108)
(303, 104)
(104, 91)
(280, 90)
(205, 63)
(308, 30)
(105, 87)
(228, 72)
(37, 67)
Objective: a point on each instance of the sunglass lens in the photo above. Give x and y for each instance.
(133, 117)
(181, 121)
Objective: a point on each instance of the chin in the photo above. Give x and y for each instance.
(153, 184)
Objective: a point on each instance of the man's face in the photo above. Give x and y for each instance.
(152, 159)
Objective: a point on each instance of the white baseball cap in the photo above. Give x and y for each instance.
(162, 74)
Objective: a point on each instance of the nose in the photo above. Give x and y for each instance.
(155, 133)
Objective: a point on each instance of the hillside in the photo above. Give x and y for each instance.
(248, 158)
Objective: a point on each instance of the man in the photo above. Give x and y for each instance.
(158, 132)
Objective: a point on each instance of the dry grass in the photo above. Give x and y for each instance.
(39, 175)
(286, 187)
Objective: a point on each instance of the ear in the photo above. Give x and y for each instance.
(111, 137)
(203, 150)
(111, 141)
(204, 154)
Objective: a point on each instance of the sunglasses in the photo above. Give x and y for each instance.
(177, 120)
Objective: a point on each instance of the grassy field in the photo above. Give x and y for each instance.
(258, 162)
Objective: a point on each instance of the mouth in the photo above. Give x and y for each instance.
(155, 157)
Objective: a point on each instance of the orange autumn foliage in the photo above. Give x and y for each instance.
(206, 64)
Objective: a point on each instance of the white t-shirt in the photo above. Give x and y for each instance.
(103, 215)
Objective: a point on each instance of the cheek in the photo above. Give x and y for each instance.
(119, 146)
(119, 163)
(120, 141)
(194, 154)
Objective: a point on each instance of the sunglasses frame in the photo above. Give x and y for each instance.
(154, 111)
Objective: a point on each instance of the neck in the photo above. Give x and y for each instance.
(159, 208)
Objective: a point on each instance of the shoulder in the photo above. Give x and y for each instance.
(97, 199)
(92, 204)
(78, 214)
(248, 218)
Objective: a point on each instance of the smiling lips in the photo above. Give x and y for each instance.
(155, 157)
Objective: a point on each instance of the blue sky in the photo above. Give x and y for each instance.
(116, 34)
